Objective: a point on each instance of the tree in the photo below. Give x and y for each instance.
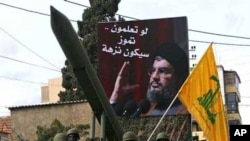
(100, 11)
(72, 89)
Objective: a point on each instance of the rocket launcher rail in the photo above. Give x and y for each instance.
(85, 73)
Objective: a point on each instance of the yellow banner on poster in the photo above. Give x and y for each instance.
(201, 94)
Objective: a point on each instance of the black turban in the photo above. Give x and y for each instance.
(176, 57)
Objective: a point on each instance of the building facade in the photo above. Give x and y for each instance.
(232, 97)
(6, 132)
(49, 93)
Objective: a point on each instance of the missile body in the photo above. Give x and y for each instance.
(85, 73)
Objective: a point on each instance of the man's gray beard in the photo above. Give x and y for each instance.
(162, 97)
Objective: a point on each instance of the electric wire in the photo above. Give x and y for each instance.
(28, 81)
(89, 7)
(197, 41)
(219, 43)
(28, 63)
(192, 30)
(12, 6)
(233, 36)
(30, 11)
(27, 47)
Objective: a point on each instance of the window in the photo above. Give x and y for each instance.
(234, 122)
(232, 79)
(232, 103)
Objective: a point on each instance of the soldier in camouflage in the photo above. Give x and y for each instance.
(60, 137)
(162, 136)
(73, 134)
(129, 136)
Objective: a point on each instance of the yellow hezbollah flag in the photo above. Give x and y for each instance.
(201, 94)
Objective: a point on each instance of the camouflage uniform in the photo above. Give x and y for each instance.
(129, 136)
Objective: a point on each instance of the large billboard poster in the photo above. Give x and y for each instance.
(142, 65)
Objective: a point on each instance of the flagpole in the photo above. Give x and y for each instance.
(170, 105)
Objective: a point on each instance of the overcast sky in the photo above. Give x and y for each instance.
(27, 37)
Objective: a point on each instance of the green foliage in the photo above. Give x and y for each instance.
(100, 11)
(72, 89)
(45, 133)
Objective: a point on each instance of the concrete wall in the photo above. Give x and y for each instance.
(26, 119)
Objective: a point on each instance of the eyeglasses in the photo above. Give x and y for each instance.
(162, 71)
